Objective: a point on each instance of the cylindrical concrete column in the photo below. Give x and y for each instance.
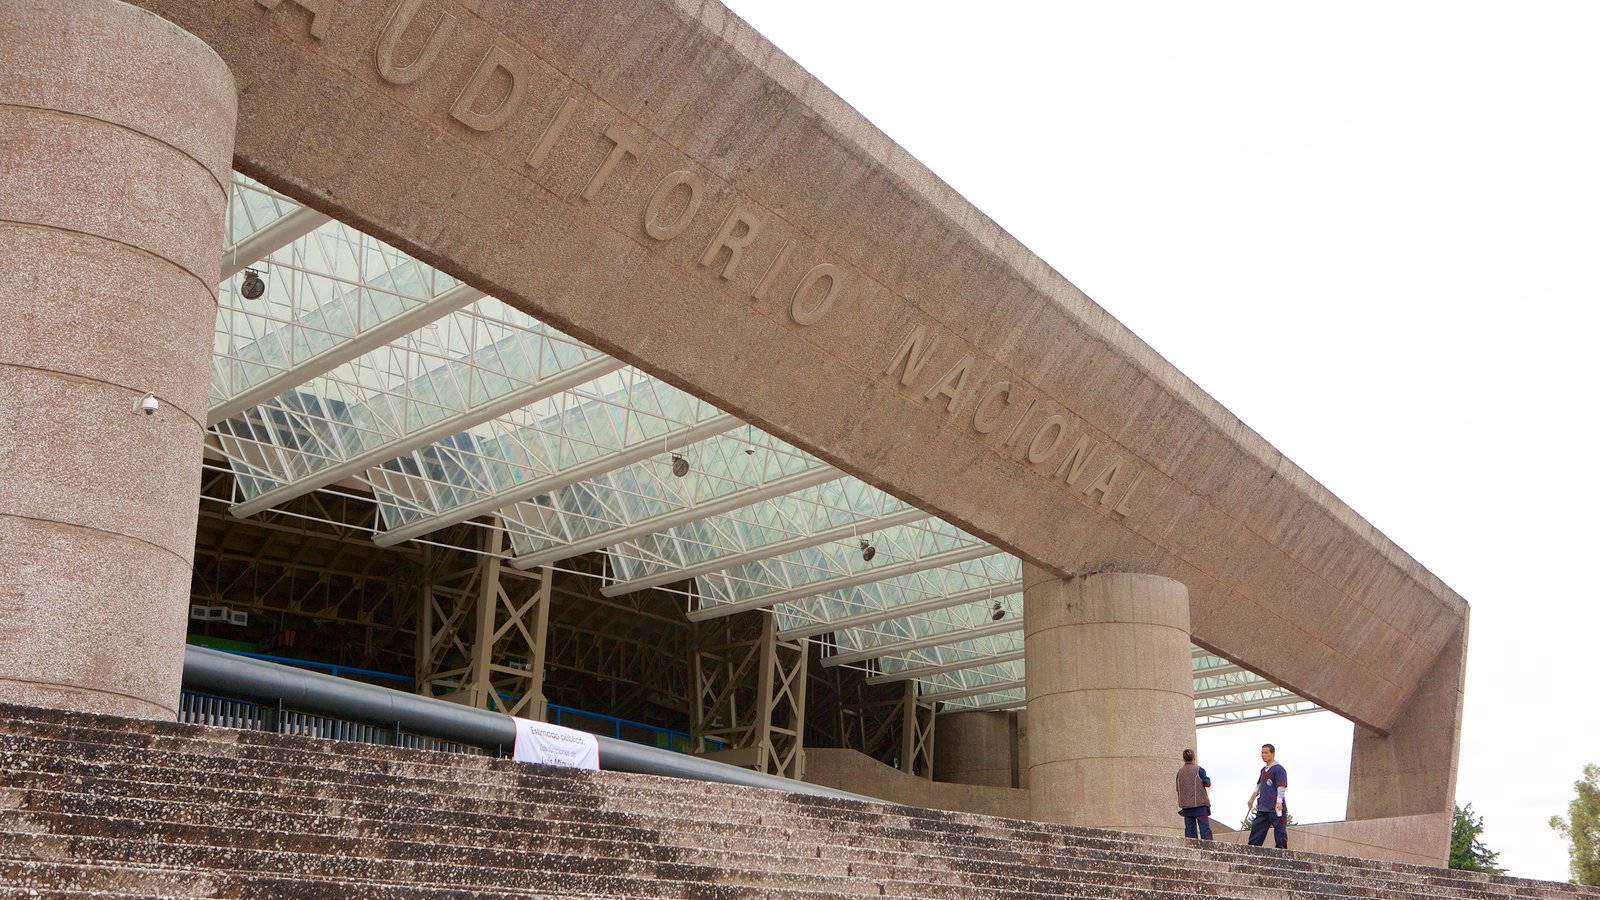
(1110, 698)
(116, 138)
(977, 748)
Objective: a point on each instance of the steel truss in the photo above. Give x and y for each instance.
(481, 642)
(761, 729)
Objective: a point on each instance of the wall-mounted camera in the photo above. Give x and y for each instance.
(147, 405)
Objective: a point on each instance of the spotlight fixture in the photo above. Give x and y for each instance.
(868, 552)
(252, 287)
(999, 612)
(680, 466)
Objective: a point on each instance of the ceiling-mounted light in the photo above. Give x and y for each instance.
(252, 287)
(680, 466)
(999, 612)
(868, 552)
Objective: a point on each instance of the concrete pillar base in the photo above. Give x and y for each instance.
(1110, 698)
(116, 129)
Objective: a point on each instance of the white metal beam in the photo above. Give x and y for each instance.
(483, 506)
(903, 610)
(1214, 671)
(1248, 705)
(930, 671)
(456, 298)
(953, 636)
(280, 233)
(726, 503)
(768, 551)
(580, 374)
(993, 705)
(1229, 690)
(996, 687)
(909, 567)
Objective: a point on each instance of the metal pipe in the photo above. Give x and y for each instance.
(215, 672)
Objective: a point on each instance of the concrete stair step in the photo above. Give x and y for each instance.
(1314, 869)
(1132, 857)
(565, 874)
(44, 879)
(432, 780)
(488, 826)
(902, 866)
(97, 811)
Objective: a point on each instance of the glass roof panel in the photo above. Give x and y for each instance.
(322, 290)
(488, 408)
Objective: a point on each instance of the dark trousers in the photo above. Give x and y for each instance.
(1200, 823)
(1266, 818)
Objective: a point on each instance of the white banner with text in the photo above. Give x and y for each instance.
(552, 745)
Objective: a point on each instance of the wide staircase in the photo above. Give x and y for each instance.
(100, 806)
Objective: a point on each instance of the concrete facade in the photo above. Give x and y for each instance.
(116, 137)
(663, 183)
(1110, 698)
(980, 748)
(573, 163)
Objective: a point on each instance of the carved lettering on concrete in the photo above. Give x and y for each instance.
(1047, 439)
(408, 48)
(551, 134)
(913, 353)
(804, 314)
(319, 22)
(1016, 430)
(664, 191)
(395, 31)
(739, 230)
(466, 108)
(1103, 482)
(771, 274)
(1044, 441)
(1076, 460)
(622, 145)
(982, 421)
(952, 384)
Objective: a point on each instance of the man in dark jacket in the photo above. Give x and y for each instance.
(1194, 803)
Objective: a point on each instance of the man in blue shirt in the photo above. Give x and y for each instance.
(1272, 786)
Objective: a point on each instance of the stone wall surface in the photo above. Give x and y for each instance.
(116, 133)
(978, 748)
(1404, 839)
(851, 770)
(658, 179)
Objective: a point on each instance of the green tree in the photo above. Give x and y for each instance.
(1466, 846)
(1581, 828)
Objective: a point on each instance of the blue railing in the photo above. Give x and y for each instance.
(333, 669)
(580, 719)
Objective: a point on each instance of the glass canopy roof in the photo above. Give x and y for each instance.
(359, 365)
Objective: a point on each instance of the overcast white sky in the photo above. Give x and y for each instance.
(1369, 230)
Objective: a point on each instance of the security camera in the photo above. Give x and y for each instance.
(148, 404)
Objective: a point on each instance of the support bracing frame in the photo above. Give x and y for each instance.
(749, 695)
(482, 632)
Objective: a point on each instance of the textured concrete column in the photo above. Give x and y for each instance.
(1110, 698)
(977, 748)
(1411, 771)
(116, 136)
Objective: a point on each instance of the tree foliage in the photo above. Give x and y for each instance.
(1466, 845)
(1581, 828)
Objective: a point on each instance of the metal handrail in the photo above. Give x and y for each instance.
(231, 676)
